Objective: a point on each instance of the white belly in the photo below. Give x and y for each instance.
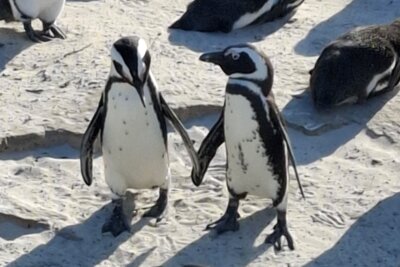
(249, 18)
(248, 168)
(46, 10)
(134, 152)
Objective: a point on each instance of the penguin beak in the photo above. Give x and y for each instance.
(139, 85)
(214, 57)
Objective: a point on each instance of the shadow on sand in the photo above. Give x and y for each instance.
(239, 244)
(338, 125)
(213, 41)
(84, 242)
(357, 13)
(11, 44)
(373, 240)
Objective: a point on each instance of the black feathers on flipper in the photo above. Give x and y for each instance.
(279, 123)
(88, 139)
(5, 11)
(208, 148)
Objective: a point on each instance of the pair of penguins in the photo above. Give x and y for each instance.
(131, 122)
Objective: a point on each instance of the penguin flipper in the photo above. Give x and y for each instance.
(173, 118)
(208, 148)
(278, 121)
(87, 143)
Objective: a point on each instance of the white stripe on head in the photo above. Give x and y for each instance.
(141, 52)
(261, 72)
(116, 56)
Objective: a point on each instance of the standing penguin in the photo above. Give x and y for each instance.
(360, 64)
(28, 10)
(229, 15)
(131, 120)
(257, 145)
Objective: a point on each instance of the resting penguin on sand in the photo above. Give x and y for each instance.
(358, 65)
(27, 10)
(257, 145)
(131, 121)
(228, 15)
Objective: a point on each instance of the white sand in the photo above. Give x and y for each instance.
(349, 160)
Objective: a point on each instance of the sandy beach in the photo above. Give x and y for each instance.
(348, 159)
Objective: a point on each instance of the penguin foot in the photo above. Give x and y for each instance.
(33, 35)
(159, 209)
(228, 222)
(117, 223)
(280, 229)
(224, 224)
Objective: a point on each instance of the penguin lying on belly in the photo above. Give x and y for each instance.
(228, 15)
(131, 120)
(358, 65)
(257, 145)
(28, 10)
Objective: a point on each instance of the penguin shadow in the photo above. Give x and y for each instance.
(12, 43)
(357, 13)
(229, 249)
(373, 240)
(85, 243)
(206, 41)
(323, 132)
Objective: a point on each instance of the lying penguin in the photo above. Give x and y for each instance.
(28, 10)
(358, 65)
(257, 145)
(131, 122)
(229, 15)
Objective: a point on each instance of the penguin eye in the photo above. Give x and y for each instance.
(235, 56)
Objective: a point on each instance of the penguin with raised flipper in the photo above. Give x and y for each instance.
(257, 145)
(131, 120)
(229, 15)
(358, 65)
(27, 10)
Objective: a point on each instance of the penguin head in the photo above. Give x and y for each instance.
(242, 62)
(131, 62)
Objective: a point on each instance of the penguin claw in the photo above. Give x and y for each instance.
(275, 237)
(159, 209)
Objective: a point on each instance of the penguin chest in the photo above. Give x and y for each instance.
(134, 152)
(249, 170)
(250, 17)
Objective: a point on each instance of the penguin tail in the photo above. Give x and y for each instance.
(181, 24)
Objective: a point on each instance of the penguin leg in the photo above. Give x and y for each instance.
(54, 29)
(32, 34)
(228, 222)
(280, 229)
(118, 221)
(159, 209)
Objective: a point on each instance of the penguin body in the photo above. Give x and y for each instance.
(26, 11)
(229, 15)
(131, 121)
(257, 145)
(358, 65)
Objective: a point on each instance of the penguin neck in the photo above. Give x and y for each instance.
(394, 30)
(260, 87)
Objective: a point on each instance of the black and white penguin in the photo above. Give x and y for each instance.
(26, 11)
(257, 145)
(360, 64)
(131, 120)
(229, 15)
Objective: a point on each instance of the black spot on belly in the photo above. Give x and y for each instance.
(126, 132)
(126, 98)
(113, 98)
(124, 122)
(120, 149)
(241, 158)
(119, 94)
(109, 151)
(115, 106)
